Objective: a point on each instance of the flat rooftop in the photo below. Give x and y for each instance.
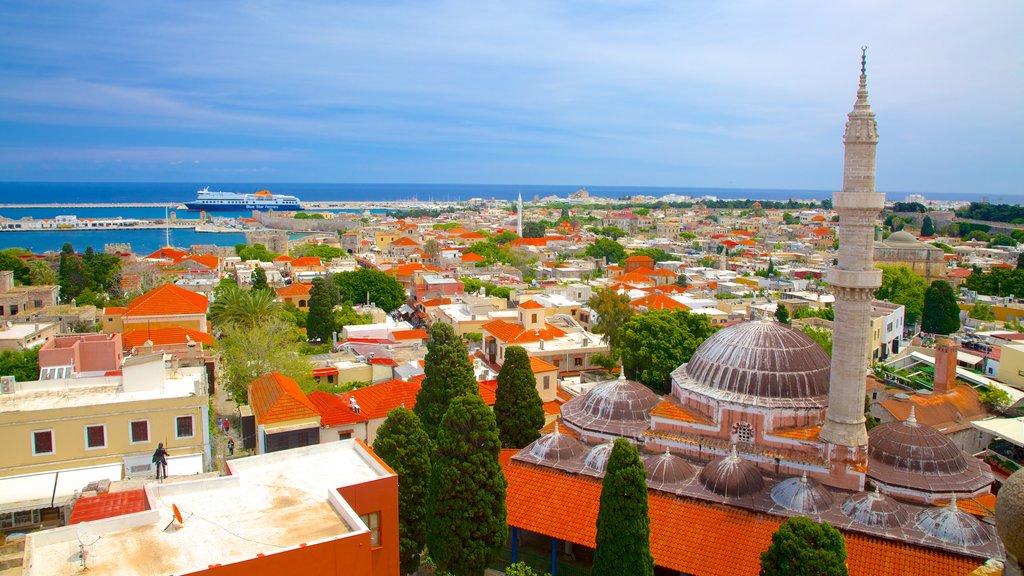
(270, 503)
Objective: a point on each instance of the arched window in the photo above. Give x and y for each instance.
(743, 433)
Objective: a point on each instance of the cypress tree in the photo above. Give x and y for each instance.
(782, 314)
(941, 312)
(402, 443)
(320, 322)
(623, 524)
(259, 279)
(466, 526)
(448, 374)
(927, 227)
(802, 547)
(70, 273)
(771, 267)
(517, 407)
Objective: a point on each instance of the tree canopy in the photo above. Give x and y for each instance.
(250, 351)
(822, 336)
(22, 364)
(448, 375)
(259, 279)
(405, 447)
(612, 310)
(606, 248)
(517, 408)
(320, 321)
(927, 227)
(623, 522)
(941, 312)
(383, 290)
(533, 230)
(466, 505)
(246, 308)
(654, 344)
(997, 282)
(802, 547)
(255, 252)
(782, 314)
(322, 251)
(9, 261)
(901, 286)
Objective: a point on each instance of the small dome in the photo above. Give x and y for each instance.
(804, 495)
(596, 460)
(1009, 511)
(875, 509)
(953, 525)
(556, 448)
(901, 237)
(667, 468)
(620, 407)
(731, 476)
(759, 363)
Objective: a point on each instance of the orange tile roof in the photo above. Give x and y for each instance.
(277, 398)
(376, 400)
(658, 301)
(307, 261)
(633, 278)
(167, 299)
(472, 257)
(108, 505)
(167, 254)
(540, 365)
(297, 289)
(694, 536)
(167, 335)
(514, 333)
(334, 411)
(670, 408)
(435, 302)
(643, 259)
(405, 241)
(803, 433)
(114, 310)
(284, 258)
(531, 305)
(408, 334)
(208, 260)
(488, 390)
(472, 236)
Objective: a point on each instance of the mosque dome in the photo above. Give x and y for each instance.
(901, 237)
(875, 509)
(953, 525)
(804, 495)
(760, 363)
(596, 461)
(913, 455)
(618, 407)
(731, 476)
(667, 469)
(1009, 511)
(555, 449)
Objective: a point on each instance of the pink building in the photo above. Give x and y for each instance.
(80, 354)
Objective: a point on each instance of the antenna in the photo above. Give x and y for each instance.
(86, 538)
(167, 229)
(176, 517)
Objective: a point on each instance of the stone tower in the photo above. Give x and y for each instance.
(519, 216)
(854, 281)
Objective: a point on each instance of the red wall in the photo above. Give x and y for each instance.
(348, 556)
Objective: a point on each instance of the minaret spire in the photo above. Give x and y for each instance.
(519, 216)
(854, 280)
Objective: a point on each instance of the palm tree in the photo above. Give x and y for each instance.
(244, 307)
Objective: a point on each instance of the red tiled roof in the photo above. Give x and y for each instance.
(673, 410)
(325, 371)
(297, 289)
(405, 241)
(435, 302)
(114, 310)
(376, 400)
(540, 365)
(108, 505)
(307, 261)
(693, 536)
(167, 299)
(208, 260)
(644, 259)
(277, 398)
(334, 411)
(531, 305)
(418, 333)
(514, 333)
(382, 361)
(166, 335)
(472, 257)
(488, 391)
(658, 301)
(284, 258)
(167, 254)
(472, 236)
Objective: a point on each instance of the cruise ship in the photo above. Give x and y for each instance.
(224, 201)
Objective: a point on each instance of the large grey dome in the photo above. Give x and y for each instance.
(618, 407)
(667, 470)
(953, 525)
(759, 363)
(875, 509)
(555, 449)
(803, 494)
(731, 476)
(1009, 511)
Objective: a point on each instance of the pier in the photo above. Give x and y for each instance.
(170, 205)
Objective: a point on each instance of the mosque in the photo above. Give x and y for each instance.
(761, 425)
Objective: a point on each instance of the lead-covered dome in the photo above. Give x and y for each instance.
(759, 363)
(802, 494)
(953, 525)
(908, 454)
(619, 407)
(556, 449)
(875, 509)
(731, 476)
(667, 470)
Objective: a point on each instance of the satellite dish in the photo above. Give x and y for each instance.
(177, 513)
(85, 534)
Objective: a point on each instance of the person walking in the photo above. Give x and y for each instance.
(231, 446)
(227, 426)
(160, 459)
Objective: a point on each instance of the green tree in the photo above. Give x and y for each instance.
(381, 289)
(656, 254)
(533, 230)
(822, 336)
(320, 321)
(654, 344)
(71, 276)
(448, 375)
(613, 310)
(789, 219)
(259, 279)
(347, 316)
(243, 307)
(782, 314)
(927, 227)
(995, 397)
(869, 420)
(324, 252)
(901, 286)
(504, 237)
(606, 248)
(40, 272)
(9, 261)
(771, 268)
(522, 569)
(802, 547)
(982, 311)
(623, 522)
(405, 447)
(518, 408)
(255, 252)
(250, 351)
(466, 526)
(941, 313)
(22, 364)
(1020, 261)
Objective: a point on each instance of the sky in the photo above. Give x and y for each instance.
(737, 94)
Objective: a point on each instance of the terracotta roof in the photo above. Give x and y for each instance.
(955, 407)
(297, 289)
(284, 258)
(802, 433)
(418, 333)
(167, 254)
(693, 536)
(488, 391)
(114, 310)
(540, 365)
(633, 278)
(673, 410)
(333, 410)
(514, 333)
(435, 302)
(472, 236)
(472, 257)
(643, 259)
(658, 301)
(166, 335)
(167, 299)
(405, 241)
(376, 400)
(531, 305)
(208, 260)
(108, 505)
(277, 398)
(307, 261)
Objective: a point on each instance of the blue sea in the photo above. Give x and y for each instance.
(145, 241)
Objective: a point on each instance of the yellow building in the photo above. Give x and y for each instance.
(1011, 366)
(61, 434)
(384, 239)
(902, 249)
(166, 306)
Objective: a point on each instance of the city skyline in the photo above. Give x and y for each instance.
(646, 94)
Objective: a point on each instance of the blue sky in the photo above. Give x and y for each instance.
(676, 93)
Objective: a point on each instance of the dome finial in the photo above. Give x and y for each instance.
(952, 503)
(733, 454)
(864, 60)
(803, 478)
(622, 372)
(912, 419)
(556, 427)
(667, 453)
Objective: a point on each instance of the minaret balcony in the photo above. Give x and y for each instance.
(866, 279)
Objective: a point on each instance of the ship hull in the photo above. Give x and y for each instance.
(236, 207)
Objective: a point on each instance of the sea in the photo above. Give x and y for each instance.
(149, 240)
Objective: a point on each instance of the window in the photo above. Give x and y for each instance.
(743, 432)
(96, 436)
(139, 431)
(42, 442)
(372, 521)
(344, 435)
(533, 318)
(183, 427)
(578, 361)
(547, 382)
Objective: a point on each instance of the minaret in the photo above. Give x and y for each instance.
(519, 216)
(853, 280)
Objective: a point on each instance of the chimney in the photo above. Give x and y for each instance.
(541, 343)
(945, 366)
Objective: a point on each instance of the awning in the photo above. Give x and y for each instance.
(1009, 429)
